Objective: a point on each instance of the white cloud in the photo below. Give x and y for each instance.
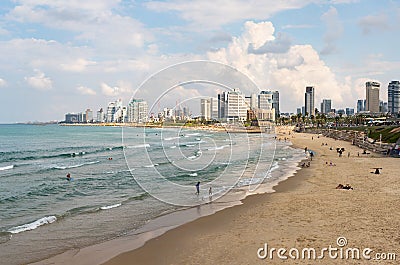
(288, 72)
(86, 91)
(118, 90)
(39, 81)
(2, 82)
(78, 65)
(214, 14)
(334, 30)
(372, 23)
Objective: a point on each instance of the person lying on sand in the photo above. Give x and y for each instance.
(344, 187)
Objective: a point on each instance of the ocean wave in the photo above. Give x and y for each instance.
(193, 174)
(110, 206)
(75, 166)
(152, 165)
(171, 138)
(33, 225)
(137, 146)
(192, 157)
(59, 153)
(6, 167)
(217, 148)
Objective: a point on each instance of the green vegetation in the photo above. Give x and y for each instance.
(390, 134)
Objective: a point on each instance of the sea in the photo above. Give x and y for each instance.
(122, 178)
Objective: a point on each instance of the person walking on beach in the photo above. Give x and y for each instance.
(198, 188)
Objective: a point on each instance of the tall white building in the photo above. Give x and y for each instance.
(372, 96)
(110, 112)
(214, 108)
(137, 111)
(309, 100)
(100, 115)
(232, 106)
(265, 100)
(205, 108)
(394, 97)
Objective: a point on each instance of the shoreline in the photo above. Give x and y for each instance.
(217, 238)
(306, 210)
(166, 222)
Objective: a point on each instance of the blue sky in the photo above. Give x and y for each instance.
(65, 56)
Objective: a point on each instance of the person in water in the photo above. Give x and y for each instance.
(68, 176)
(198, 188)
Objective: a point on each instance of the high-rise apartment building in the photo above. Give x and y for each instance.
(137, 111)
(309, 101)
(214, 108)
(394, 97)
(232, 106)
(326, 106)
(205, 108)
(372, 96)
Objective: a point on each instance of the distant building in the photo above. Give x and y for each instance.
(309, 100)
(71, 118)
(360, 105)
(137, 111)
(214, 108)
(372, 96)
(89, 115)
(205, 108)
(110, 112)
(383, 106)
(340, 112)
(232, 106)
(298, 111)
(350, 111)
(394, 97)
(326, 106)
(100, 115)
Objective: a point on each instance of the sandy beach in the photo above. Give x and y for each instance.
(306, 211)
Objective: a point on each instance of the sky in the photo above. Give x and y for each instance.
(66, 56)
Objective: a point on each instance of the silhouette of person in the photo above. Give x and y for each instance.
(198, 188)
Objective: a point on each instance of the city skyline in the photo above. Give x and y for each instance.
(62, 56)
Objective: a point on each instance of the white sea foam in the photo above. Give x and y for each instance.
(6, 167)
(151, 165)
(78, 165)
(171, 138)
(33, 225)
(110, 206)
(138, 146)
(192, 157)
(217, 148)
(174, 146)
(193, 174)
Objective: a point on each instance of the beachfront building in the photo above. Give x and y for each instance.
(326, 106)
(232, 106)
(89, 115)
(372, 96)
(100, 115)
(71, 118)
(205, 108)
(394, 97)
(214, 108)
(137, 111)
(110, 112)
(309, 101)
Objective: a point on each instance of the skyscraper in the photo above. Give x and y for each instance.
(360, 105)
(309, 101)
(394, 97)
(265, 100)
(326, 106)
(137, 111)
(205, 108)
(372, 96)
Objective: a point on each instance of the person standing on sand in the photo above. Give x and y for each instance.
(198, 188)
